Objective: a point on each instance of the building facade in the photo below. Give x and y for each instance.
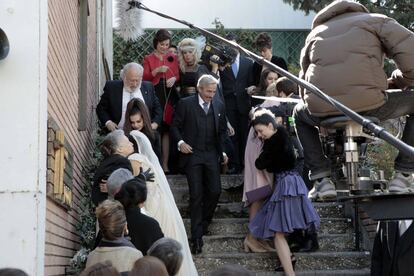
(60, 57)
(234, 14)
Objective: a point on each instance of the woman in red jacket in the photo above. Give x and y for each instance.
(161, 68)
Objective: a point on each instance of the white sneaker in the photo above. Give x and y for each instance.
(401, 183)
(313, 194)
(323, 189)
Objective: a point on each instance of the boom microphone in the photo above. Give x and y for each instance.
(128, 19)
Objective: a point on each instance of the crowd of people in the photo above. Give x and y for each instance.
(177, 106)
(179, 114)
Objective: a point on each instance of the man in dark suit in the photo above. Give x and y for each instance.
(393, 251)
(117, 93)
(235, 80)
(199, 127)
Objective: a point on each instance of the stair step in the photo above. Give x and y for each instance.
(227, 181)
(234, 243)
(343, 272)
(236, 210)
(323, 261)
(182, 195)
(225, 243)
(233, 226)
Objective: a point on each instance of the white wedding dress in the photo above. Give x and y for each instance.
(160, 202)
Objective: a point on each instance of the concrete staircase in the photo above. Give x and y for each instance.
(229, 227)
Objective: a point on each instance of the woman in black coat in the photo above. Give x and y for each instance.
(288, 208)
(143, 230)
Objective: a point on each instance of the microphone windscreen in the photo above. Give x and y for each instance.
(128, 20)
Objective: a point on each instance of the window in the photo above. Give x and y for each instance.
(59, 166)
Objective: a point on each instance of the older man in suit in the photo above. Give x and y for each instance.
(117, 93)
(199, 127)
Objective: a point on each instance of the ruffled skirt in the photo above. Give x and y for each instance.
(287, 209)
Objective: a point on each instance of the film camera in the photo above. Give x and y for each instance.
(220, 54)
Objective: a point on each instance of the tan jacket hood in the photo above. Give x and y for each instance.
(337, 8)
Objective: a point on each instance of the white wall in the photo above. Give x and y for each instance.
(107, 33)
(23, 124)
(234, 14)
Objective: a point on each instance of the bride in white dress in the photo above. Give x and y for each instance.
(160, 202)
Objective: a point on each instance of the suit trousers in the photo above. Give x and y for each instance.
(203, 177)
(240, 123)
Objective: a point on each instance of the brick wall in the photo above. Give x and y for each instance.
(63, 73)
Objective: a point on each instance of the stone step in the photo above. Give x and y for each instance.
(236, 210)
(224, 245)
(182, 195)
(234, 243)
(266, 262)
(233, 226)
(342, 272)
(227, 181)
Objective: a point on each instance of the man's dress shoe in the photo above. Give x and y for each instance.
(197, 246)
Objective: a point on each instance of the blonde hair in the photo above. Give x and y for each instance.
(111, 219)
(186, 44)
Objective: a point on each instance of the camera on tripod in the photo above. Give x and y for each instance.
(220, 54)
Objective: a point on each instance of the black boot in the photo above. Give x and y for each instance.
(310, 243)
(296, 240)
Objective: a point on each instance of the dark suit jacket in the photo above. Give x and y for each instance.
(110, 105)
(232, 86)
(392, 253)
(143, 230)
(219, 92)
(106, 167)
(185, 125)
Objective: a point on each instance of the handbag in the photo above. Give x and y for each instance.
(259, 193)
(168, 113)
(264, 187)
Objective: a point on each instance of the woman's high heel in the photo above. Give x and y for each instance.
(293, 260)
(266, 246)
(252, 245)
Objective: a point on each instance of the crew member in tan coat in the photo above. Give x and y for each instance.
(343, 56)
